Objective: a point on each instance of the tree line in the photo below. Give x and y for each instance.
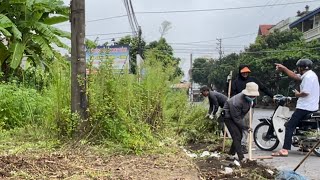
(285, 47)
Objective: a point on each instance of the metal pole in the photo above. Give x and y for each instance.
(220, 48)
(78, 62)
(191, 80)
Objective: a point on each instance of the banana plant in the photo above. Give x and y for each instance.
(27, 31)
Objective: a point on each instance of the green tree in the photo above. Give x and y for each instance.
(200, 70)
(220, 69)
(285, 47)
(134, 49)
(164, 53)
(26, 26)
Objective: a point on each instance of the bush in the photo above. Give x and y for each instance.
(21, 106)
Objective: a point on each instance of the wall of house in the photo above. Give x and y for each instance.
(284, 24)
(308, 24)
(317, 21)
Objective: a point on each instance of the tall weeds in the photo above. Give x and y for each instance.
(123, 112)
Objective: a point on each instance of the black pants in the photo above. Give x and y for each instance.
(218, 126)
(291, 125)
(236, 134)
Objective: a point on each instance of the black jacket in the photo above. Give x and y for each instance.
(216, 100)
(240, 82)
(235, 109)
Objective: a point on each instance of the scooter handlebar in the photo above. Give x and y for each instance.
(280, 99)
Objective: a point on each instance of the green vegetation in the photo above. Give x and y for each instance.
(125, 114)
(29, 34)
(279, 47)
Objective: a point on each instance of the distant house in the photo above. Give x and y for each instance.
(264, 29)
(309, 24)
(284, 24)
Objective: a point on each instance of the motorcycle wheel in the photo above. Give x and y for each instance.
(261, 139)
(316, 151)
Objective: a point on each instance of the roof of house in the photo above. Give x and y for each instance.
(264, 29)
(305, 17)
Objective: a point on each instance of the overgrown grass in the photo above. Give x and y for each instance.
(126, 115)
(21, 106)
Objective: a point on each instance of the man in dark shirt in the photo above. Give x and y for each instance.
(234, 111)
(237, 86)
(216, 100)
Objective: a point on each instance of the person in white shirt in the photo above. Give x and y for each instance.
(308, 99)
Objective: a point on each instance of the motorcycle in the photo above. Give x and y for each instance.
(270, 131)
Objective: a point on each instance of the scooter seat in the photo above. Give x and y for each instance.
(315, 115)
(312, 117)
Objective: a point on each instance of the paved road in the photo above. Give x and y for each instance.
(310, 168)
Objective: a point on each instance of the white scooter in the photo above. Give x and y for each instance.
(270, 131)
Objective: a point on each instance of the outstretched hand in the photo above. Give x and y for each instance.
(279, 67)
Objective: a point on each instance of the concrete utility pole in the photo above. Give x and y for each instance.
(139, 41)
(220, 48)
(191, 80)
(139, 56)
(78, 63)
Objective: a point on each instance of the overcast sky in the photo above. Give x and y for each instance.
(192, 26)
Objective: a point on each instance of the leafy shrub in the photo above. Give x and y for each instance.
(21, 106)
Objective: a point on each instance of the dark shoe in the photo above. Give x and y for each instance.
(304, 149)
(244, 149)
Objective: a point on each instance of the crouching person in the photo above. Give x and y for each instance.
(216, 101)
(234, 111)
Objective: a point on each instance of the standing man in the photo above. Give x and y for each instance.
(216, 100)
(308, 99)
(234, 111)
(237, 86)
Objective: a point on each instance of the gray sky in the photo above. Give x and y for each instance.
(192, 26)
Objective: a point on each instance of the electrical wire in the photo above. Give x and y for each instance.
(224, 9)
(106, 34)
(130, 18)
(133, 15)
(275, 51)
(204, 41)
(199, 10)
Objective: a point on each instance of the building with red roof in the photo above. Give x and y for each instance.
(264, 29)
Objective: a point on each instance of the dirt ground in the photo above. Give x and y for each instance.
(213, 168)
(83, 164)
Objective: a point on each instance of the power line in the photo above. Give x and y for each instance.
(204, 41)
(256, 52)
(129, 13)
(106, 18)
(95, 20)
(198, 10)
(277, 51)
(133, 15)
(186, 45)
(224, 9)
(105, 34)
(243, 35)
